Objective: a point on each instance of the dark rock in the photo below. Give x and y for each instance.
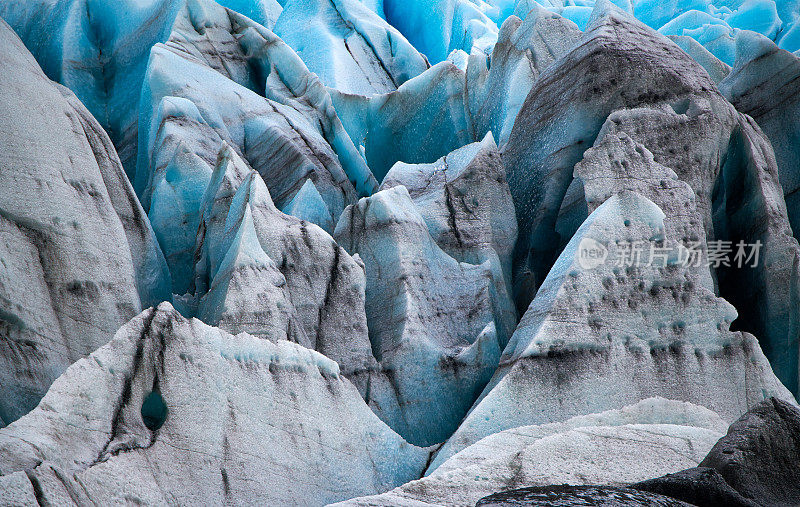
(578, 495)
(760, 454)
(754, 464)
(701, 486)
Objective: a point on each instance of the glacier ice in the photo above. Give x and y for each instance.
(554, 127)
(307, 204)
(710, 31)
(357, 199)
(277, 277)
(268, 67)
(348, 46)
(246, 419)
(100, 49)
(465, 201)
(602, 338)
(423, 120)
(497, 86)
(616, 447)
(467, 207)
(610, 165)
(438, 27)
(578, 14)
(712, 23)
(263, 12)
(764, 85)
(650, 411)
(78, 255)
(672, 108)
(193, 101)
(431, 319)
(247, 291)
(449, 106)
(715, 24)
(717, 69)
(617, 163)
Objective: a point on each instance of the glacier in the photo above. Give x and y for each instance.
(763, 76)
(672, 108)
(467, 206)
(292, 136)
(399, 252)
(305, 280)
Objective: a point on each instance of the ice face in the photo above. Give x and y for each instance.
(688, 126)
(603, 176)
(449, 105)
(594, 331)
(311, 291)
(716, 68)
(437, 27)
(79, 257)
(100, 51)
(307, 204)
(281, 121)
(497, 86)
(430, 317)
(247, 291)
(348, 46)
(763, 77)
(713, 24)
(467, 207)
(423, 120)
(225, 405)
